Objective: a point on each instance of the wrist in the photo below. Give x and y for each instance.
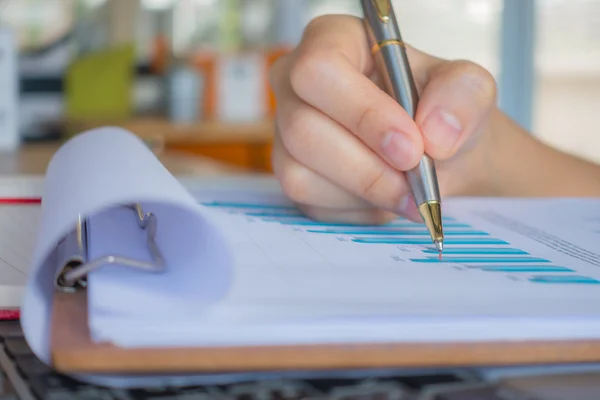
(507, 150)
(478, 169)
(517, 164)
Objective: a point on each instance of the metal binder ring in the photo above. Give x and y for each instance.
(76, 266)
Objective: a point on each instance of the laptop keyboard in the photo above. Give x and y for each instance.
(25, 377)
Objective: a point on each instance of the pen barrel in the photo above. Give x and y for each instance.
(392, 63)
(390, 56)
(423, 181)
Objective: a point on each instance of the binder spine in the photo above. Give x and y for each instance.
(73, 263)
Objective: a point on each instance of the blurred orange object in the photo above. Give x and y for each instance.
(208, 63)
(272, 57)
(160, 55)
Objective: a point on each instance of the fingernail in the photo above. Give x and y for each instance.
(399, 150)
(442, 129)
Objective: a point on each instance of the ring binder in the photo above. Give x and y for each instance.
(73, 257)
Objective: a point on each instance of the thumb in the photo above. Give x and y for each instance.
(455, 101)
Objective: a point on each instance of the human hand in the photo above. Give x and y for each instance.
(342, 144)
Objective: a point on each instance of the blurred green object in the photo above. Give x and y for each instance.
(229, 25)
(100, 85)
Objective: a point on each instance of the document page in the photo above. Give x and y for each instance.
(511, 269)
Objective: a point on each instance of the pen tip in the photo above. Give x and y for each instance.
(439, 244)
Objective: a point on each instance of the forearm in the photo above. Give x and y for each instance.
(520, 165)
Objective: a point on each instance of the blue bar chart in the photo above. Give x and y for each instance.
(465, 246)
(426, 240)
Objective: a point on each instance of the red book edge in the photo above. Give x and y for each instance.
(10, 314)
(20, 200)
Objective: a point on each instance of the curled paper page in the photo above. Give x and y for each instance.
(94, 174)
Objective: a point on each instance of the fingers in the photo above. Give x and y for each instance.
(320, 199)
(299, 182)
(456, 102)
(330, 74)
(367, 216)
(342, 143)
(306, 187)
(313, 139)
(343, 168)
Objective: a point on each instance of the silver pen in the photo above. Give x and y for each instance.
(391, 60)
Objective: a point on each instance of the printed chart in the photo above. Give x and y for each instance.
(465, 245)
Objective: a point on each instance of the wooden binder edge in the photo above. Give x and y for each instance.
(73, 351)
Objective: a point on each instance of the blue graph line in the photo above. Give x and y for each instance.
(520, 268)
(291, 214)
(300, 221)
(393, 232)
(478, 250)
(564, 279)
(469, 260)
(426, 241)
(222, 204)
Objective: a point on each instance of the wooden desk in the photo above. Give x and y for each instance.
(33, 159)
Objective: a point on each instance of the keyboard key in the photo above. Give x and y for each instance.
(93, 393)
(479, 392)
(272, 390)
(6, 386)
(50, 386)
(10, 329)
(371, 390)
(16, 347)
(326, 384)
(153, 394)
(419, 382)
(31, 366)
(201, 393)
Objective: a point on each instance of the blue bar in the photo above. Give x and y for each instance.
(478, 250)
(301, 221)
(225, 204)
(308, 222)
(562, 279)
(275, 214)
(521, 268)
(468, 260)
(394, 232)
(447, 241)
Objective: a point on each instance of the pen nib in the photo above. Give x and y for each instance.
(439, 245)
(432, 216)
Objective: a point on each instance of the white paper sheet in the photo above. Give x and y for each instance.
(300, 283)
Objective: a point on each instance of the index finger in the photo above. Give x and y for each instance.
(331, 73)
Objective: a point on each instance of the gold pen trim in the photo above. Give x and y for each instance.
(383, 9)
(431, 212)
(376, 47)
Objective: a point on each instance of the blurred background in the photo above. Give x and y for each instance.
(191, 75)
